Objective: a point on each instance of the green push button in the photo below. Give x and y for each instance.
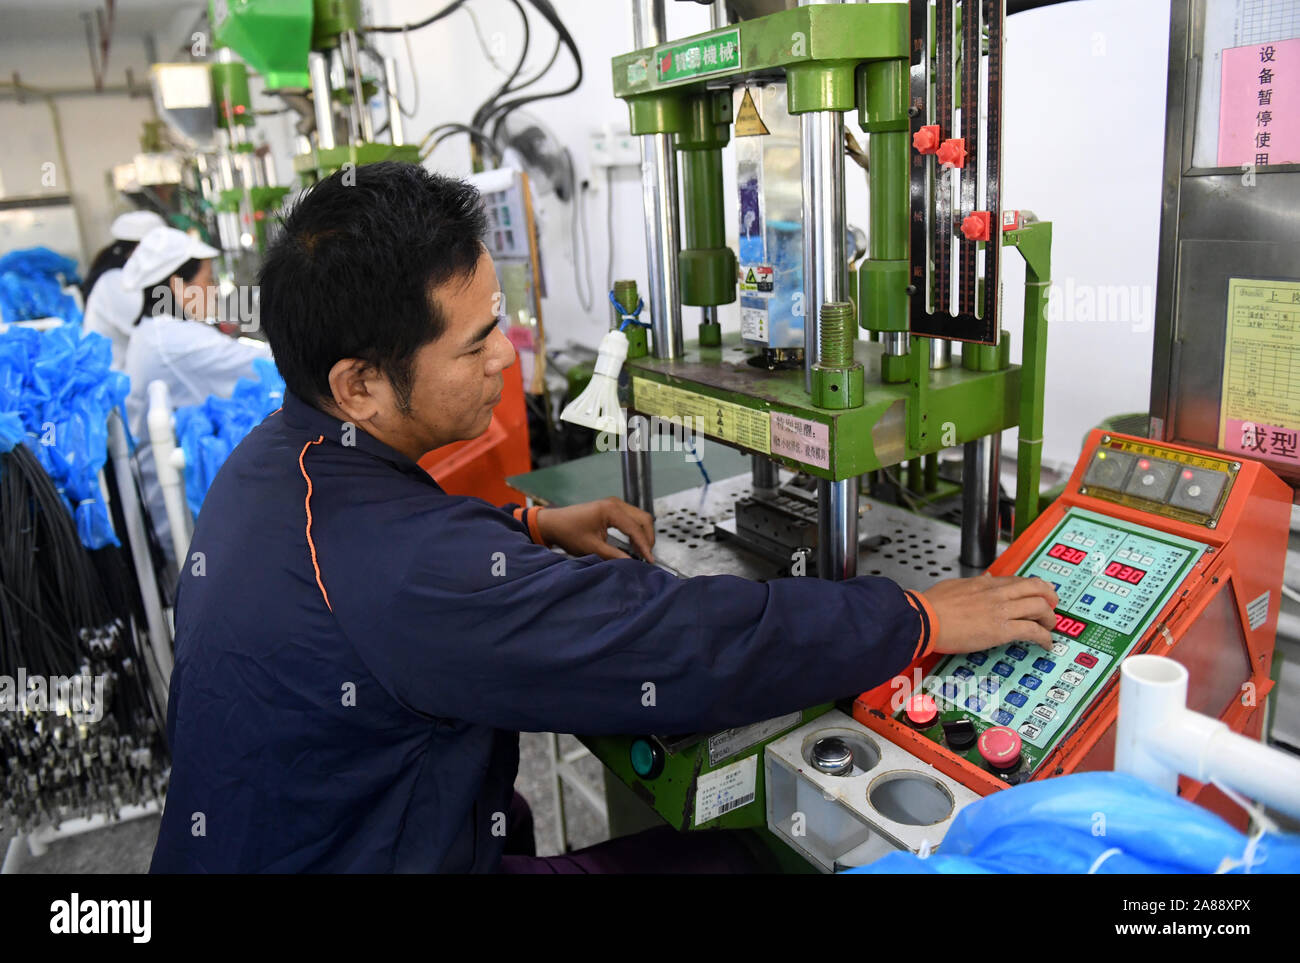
(647, 759)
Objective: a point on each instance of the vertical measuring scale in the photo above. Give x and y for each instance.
(937, 152)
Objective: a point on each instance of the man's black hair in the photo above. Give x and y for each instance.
(352, 272)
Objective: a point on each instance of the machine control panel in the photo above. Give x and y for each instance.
(1112, 578)
(1190, 487)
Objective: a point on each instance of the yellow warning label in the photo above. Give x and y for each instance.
(748, 123)
(716, 418)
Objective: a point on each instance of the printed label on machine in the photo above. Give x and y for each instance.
(1259, 413)
(801, 439)
(757, 278)
(754, 319)
(718, 793)
(1257, 611)
(720, 419)
(1112, 578)
(723, 745)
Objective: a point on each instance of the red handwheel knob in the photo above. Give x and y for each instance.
(926, 140)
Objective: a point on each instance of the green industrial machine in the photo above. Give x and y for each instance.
(310, 52)
(931, 371)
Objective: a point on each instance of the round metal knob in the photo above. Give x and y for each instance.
(833, 756)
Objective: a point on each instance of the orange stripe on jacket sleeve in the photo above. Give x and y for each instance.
(307, 505)
(533, 529)
(926, 640)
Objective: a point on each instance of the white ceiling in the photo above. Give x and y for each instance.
(61, 19)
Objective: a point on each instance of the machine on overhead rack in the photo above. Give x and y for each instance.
(1155, 547)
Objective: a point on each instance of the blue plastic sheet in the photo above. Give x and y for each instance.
(31, 286)
(1104, 822)
(56, 391)
(209, 432)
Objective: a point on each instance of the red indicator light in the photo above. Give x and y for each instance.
(1143, 464)
(1187, 474)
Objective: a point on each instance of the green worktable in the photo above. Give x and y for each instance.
(601, 474)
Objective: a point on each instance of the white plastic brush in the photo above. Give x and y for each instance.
(597, 407)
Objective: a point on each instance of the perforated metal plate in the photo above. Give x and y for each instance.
(910, 549)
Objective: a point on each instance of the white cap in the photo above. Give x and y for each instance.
(113, 306)
(159, 254)
(135, 225)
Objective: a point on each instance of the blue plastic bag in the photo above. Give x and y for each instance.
(56, 391)
(31, 286)
(209, 432)
(1104, 822)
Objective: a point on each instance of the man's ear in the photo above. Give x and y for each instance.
(357, 389)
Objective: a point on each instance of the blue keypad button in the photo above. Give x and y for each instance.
(975, 704)
(1017, 699)
(1088, 599)
(1044, 665)
(1056, 586)
(962, 672)
(1003, 669)
(1030, 681)
(1002, 717)
(949, 690)
(977, 658)
(1111, 607)
(1016, 652)
(989, 684)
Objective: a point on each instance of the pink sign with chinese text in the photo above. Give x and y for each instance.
(1261, 441)
(1259, 105)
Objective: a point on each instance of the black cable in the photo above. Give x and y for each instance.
(499, 113)
(486, 106)
(433, 18)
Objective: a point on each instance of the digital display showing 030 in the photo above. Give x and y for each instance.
(1125, 573)
(1067, 554)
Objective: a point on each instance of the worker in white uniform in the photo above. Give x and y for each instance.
(173, 342)
(112, 308)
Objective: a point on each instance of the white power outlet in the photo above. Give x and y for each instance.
(611, 148)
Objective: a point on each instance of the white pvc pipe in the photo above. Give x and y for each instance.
(162, 439)
(160, 637)
(1158, 737)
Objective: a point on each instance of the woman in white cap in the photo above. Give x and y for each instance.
(171, 273)
(111, 307)
(127, 231)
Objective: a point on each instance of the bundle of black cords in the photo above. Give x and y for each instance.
(70, 617)
(486, 125)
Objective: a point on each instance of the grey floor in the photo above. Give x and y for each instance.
(127, 847)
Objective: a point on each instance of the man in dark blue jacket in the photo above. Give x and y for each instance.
(357, 651)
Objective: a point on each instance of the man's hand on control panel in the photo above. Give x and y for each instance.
(979, 613)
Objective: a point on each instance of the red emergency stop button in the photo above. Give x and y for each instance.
(975, 226)
(952, 152)
(926, 140)
(999, 747)
(921, 712)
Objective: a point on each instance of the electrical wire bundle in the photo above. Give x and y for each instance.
(79, 731)
(487, 124)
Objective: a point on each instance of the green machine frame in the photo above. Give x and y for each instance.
(297, 46)
(894, 396)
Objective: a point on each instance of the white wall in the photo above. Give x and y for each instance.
(1084, 131)
(98, 130)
